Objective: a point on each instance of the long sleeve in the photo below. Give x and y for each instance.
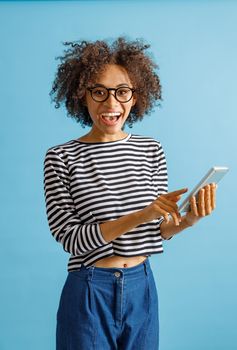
(64, 222)
(162, 172)
(163, 178)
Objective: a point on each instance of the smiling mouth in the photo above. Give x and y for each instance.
(110, 118)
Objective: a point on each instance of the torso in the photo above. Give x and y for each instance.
(115, 261)
(120, 261)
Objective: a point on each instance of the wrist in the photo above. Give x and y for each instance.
(189, 219)
(169, 229)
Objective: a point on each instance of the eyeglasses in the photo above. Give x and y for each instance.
(101, 94)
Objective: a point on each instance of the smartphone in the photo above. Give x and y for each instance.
(215, 174)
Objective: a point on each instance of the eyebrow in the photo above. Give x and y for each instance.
(124, 84)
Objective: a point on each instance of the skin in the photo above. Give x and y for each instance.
(205, 205)
(165, 205)
(199, 209)
(111, 77)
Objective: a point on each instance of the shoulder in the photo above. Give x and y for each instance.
(145, 141)
(62, 148)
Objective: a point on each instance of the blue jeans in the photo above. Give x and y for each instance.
(109, 309)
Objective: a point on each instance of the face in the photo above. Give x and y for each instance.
(109, 116)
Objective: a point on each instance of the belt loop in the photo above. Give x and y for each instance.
(145, 263)
(90, 273)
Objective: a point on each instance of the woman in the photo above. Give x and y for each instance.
(107, 201)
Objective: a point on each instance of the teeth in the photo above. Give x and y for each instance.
(115, 114)
(111, 116)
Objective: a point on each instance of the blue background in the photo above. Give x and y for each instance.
(194, 43)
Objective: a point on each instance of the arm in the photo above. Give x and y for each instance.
(162, 206)
(64, 223)
(114, 229)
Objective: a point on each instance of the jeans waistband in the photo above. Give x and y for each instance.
(91, 272)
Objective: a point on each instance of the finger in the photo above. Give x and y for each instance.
(170, 204)
(176, 218)
(176, 193)
(170, 210)
(208, 208)
(201, 202)
(164, 214)
(173, 198)
(193, 205)
(213, 195)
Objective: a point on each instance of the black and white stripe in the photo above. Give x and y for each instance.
(89, 183)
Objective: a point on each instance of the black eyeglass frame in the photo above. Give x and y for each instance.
(110, 89)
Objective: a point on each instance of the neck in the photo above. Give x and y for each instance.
(94, 136)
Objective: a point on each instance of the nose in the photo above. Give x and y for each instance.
(111, 100)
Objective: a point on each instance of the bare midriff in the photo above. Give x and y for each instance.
(120, 261)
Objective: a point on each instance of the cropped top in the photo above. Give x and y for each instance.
(86, 184)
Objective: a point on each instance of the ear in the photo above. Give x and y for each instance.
(134, 100)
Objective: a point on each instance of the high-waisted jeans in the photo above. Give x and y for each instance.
(109, 309)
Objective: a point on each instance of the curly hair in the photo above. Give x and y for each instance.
(84, 61)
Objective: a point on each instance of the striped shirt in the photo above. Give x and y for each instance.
(86, 184)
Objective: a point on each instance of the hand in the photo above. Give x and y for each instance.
(204, 206)
(164, 205)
